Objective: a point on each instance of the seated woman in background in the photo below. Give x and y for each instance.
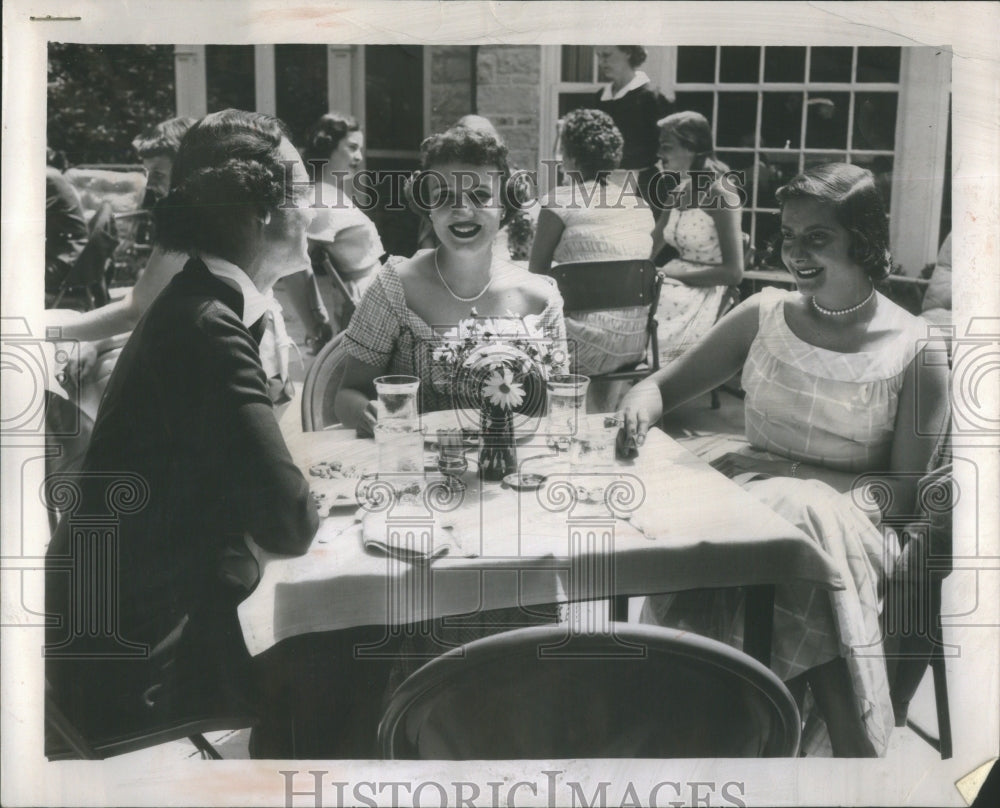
(393, 329)
(341, 231)
(595, 219)
(703, 224)
(836, 386)
(107, 327)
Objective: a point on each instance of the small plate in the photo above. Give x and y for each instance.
(524, 482)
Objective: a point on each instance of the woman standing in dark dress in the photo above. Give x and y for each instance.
(635, 106)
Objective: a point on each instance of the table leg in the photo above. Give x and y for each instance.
(619, 609)
(758, 625)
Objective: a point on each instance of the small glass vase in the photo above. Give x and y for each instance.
(497, 453)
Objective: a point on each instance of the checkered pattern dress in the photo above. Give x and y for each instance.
(835, 410)
(385, 333)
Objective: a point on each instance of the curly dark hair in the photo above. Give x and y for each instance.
(470, 147)
(858, 208)
(163, 138)
(592, 140)
(228, 167)
(636, 54)
(325, 135)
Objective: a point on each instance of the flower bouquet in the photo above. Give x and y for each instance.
(498, 365)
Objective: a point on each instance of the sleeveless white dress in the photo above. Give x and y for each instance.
(836, 410)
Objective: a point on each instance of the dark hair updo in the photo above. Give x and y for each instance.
(326, 134)
(590, 138)
(471, 147)
(228, 167)
(636, 54)
(857, 206)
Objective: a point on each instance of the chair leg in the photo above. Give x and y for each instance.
(206, 749)
(941, 700)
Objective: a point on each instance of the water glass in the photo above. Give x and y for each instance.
(397, 398)
(400, 452)
(567, 408)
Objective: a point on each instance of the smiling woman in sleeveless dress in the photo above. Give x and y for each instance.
(839, 383)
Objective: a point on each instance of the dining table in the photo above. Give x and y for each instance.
(662, 522)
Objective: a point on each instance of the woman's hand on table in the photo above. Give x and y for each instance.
(641, 409)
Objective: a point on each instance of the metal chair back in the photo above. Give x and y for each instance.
(602, 285)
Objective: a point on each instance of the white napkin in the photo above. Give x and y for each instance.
(417, 540)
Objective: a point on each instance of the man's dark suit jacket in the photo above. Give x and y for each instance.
(187, 410)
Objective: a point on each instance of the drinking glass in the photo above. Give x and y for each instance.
(452, 462)
(567, 408)
(397, 398)
(400, 453)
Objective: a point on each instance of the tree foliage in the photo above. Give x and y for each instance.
(101, 96)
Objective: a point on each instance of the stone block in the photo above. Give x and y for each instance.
(521, 138)
(486, 68)
(449, 102)
(518, 60)
(509, 100)
(451, 65)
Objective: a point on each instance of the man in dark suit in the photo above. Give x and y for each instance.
(186, 456)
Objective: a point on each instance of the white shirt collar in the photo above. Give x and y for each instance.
(638, 80)
(255, 302)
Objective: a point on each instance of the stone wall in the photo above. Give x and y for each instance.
(451, 85)
(507, 78)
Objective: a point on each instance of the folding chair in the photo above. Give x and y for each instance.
(730, 299)
(602, 285)
(321, 260)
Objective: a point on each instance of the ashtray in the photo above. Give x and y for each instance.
(524, 482)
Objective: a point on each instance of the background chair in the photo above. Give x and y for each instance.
(527, 694)
(730, 300)
(321, 384)
(912, 613)
(347, 301)
(89, 274)
(602, 285)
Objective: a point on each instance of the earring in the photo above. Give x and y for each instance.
(267, 219)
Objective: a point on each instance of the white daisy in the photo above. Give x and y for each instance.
(503, 391)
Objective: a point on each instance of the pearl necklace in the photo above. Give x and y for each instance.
(444, 283)
(842, 312)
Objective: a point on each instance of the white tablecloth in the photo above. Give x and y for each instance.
(698, 529)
